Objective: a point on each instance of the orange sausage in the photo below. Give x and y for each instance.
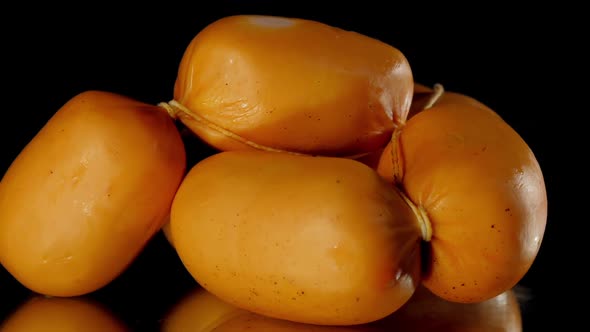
(166, 231)
(421, 97)
(316, 240)
(288, 84)
(479, 189)
(87, 193)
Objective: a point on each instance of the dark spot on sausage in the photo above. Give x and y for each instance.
(358, 299)
(337, 180)
(226, 83)
(237, 214)
(309, 116)
(463, 284)
(275, 282)
(293, 298)
(493, 225)
(507, 210)
(453, 287)
(484, 148)
(50, 171)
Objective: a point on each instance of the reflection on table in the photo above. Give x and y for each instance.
(202, 311)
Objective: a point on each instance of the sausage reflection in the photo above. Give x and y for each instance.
(41, 313)
(201, 311)
(427, 312)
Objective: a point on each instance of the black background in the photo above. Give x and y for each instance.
(517, 61)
